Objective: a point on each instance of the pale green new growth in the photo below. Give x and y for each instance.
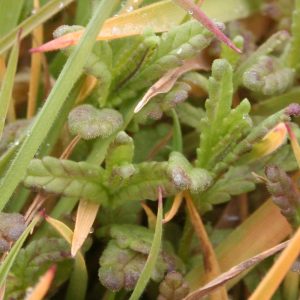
(222, 127)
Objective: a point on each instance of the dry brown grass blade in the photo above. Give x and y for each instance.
(211, 264)
(264, 229)
(89, 84)
(42, 287)
(235, 271)
(167, 81)
(85, 217)
(2, 292)
(174, 209)
(271, 281)
(36, 62)
(69, 149)
(150, 215)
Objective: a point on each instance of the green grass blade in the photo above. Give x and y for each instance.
(54, 102)
(177, 134)
(7, 85)
(153, 254)
(45, 13)
(9, 14)
(293, 57)
(10, 258)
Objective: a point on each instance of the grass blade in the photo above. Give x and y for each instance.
(45, 13)
(55, 101)
(7, 85)
(265, 228)
(271, 281)
(36, 62)
(79, 278)
(160, 16)
(235, 271)
(10, 258)
(153, 254)
(9, 14)
(211, 264)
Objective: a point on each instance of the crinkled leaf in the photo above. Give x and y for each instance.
(124, 258)
(33, 261)
(73, 179)
(89, 122)
(12, 226)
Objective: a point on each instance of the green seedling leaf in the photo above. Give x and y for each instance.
(72, 179)
(185, 176)
(120, 151)
(90, 123)
(180, 43)
(177, 134)
(256, 135)
(268, 76)
(276, 40)
(222, 127)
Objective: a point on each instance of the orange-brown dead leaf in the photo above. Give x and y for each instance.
(167, 81)
(271, 281)
(85, 217)
(211, 264)
(160, 16)
(42, 287)
(234, 272)
(150, 215)
(174, 209)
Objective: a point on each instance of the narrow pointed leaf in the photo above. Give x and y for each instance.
(7, 85)
(86, 215)
(42, 287)
(153, 254)
(78, 281)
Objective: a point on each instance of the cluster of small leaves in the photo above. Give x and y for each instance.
(121, 181)
(12, 226)
(173, 287)
(124, 258)
(284, 193)
(127, 67)
(33, 261)
(222, 127)
(268, 76)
